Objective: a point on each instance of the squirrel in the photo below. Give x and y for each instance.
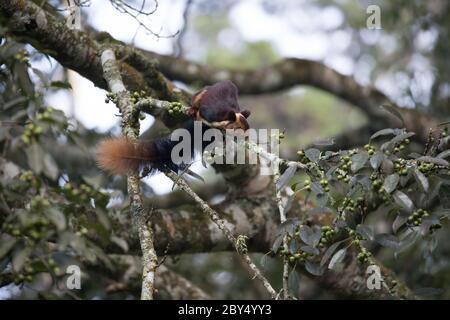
(216, 106)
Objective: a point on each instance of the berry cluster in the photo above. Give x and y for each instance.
(350, 205)
(402, 145)
(46, 115)
(370, 149)
(175, 108)
(31, 133)
(29, 178)
(35, 227)
(22, 56)
(400, 167)
(427, 168)
(327, 236)
(324, 184)
(364, 255)
(84, 193)
(345, 166)
(300, 256)
(33, 267)
(417, 216)
(302, 157)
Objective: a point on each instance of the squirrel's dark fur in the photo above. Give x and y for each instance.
(216, 106)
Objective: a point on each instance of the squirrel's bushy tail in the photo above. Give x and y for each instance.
(122, 156)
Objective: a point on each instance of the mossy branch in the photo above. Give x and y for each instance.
(130, 129)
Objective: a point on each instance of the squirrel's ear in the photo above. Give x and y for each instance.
(246, 113)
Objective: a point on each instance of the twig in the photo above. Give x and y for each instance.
(221, 224)
(179, 40)
(135, 13)
(130, 129)
(281, 209)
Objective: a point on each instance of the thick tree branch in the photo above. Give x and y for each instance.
(291, 72)
(77, 51)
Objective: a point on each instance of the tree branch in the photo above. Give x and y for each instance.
(79, 52)
(239, 244)
(130, 129)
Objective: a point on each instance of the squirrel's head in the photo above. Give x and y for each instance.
(217, 106)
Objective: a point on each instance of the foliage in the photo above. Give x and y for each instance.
(381, 183)
(52, 214)
(56, 210)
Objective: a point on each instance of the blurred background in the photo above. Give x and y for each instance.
(407, 59)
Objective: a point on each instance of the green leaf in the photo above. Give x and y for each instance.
(359, 160)
(121, 243)
(403, 200)
(406, 242)
(396, 140)
(41, 75)
(57, 218)
(384, 132)
(309, 249)
(277, 243)
(6, 244)
(399, 138)
(9, 171)
(422, 180)
(103, 218)
(309, 236)
(337, 258)
(294, 281)
(438, 161)
(35, 157)
(289, 201)
(313, 154)
(286, 177)
(377, 159)
(399, 221)
(443, 154)
(51, 169)
(314, 269)
(322, 199)
(387, 240)
(263, 261)
(364, 231)
(316, 187)
(391, 182)
(20, 257)
(444, 196)
(331, 249)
